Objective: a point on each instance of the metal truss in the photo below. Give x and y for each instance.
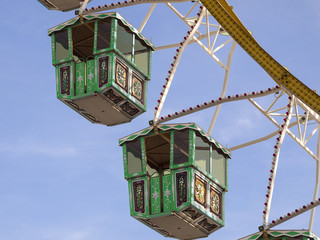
(206, 38)
(299, 121)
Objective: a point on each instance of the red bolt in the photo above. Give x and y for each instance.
(229, 97)
(190, 108)
(176, 113)
(289, 214)
(245, 94)
(212, 101)
(237, 95)
(156, 108)
(253, 93)
(183, 110)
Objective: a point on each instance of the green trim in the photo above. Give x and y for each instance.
(90, 17)
(284, 234)
(180, 126)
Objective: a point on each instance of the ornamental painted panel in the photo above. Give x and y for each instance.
(137, 88)
(103, 70)
(200, 191)
(138, 195)
(216, 202)
(65, 80)
(182, 187)
(80, 81)
(128, 108)
(207, 225)
(155, 195)
(122, 75)
(91, 76)
(167, 192)
(113, 96)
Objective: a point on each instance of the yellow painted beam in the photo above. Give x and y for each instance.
(224, 14)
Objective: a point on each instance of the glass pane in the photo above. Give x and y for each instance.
(141, 55)
(124, 40)
(219, 167)
(181, 146)
(82, 41)
(104, 34)
(134, 157)
(202, 152)
(62, 48)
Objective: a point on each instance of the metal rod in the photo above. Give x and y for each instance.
(316, 187)
(224, 88)
(146, 18)
(259, 139)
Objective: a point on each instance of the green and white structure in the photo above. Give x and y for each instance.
(302, 234)
(177, 179)
(102, 67)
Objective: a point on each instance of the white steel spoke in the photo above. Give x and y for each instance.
(215, 39)
(146, 18)
(175, 65)
(188, 13)
(274, 101)
(224, 88)
(297, 117)
(222, 45)
(212, 55)
(316, 188)
(174, 45)
(258, 140)
(274, 164)
(305, 127)
(208, 30)
(312, 133)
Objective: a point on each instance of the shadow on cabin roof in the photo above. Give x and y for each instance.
(61, 5)
(89, 17)
(178, 126)
(283, 233)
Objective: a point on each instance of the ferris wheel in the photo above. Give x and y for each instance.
(186, 186)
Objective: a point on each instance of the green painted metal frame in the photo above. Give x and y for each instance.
(158, 203)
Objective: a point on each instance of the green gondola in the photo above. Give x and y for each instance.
(102, 67)
(301, 234)
(177, 179)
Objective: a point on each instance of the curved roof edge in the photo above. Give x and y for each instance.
(178, 126)
(100, 16)
(282, 233)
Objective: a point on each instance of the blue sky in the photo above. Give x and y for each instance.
(61, 177)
